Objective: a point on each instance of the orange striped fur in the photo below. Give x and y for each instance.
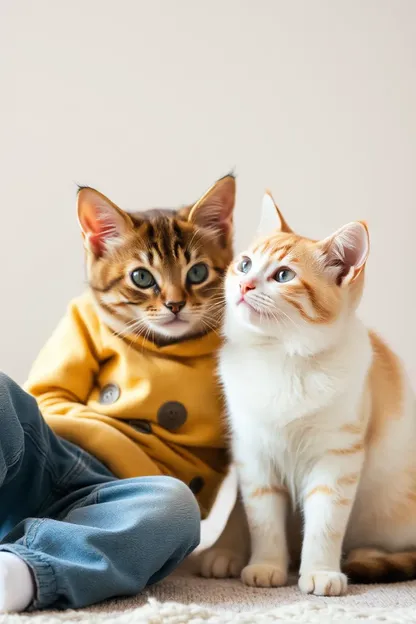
(275, 489)
(321, 489)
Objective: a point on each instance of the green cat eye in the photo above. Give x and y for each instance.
(198, 273)
(244, 265)
(142, 278)
(284, 275)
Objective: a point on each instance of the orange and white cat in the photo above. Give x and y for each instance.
(322, 420)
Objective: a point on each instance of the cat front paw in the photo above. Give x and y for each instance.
(221, 563)
(264, 575)
(323, 583)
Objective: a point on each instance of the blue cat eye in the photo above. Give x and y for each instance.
(284, 275)
(142, 278)
(198, 273)
(244, 265)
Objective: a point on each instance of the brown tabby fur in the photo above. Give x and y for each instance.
(167, 243)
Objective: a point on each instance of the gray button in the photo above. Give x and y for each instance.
(196, 485)
(172, 415)
(142, 426)
(109, 394)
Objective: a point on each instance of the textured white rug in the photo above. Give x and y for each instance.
(175, 613)
(186, 599)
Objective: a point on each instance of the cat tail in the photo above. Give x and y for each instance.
(370, 565)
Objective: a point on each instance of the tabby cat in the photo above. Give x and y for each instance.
(322, 417)
(129, 373)
(173, 294)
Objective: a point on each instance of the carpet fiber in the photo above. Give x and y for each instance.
(183, 599)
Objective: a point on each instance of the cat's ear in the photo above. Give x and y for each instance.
(271, 218)
(102, 223)
(346, 251)
(214, 211)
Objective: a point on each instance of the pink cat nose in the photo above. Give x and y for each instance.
(246, 286)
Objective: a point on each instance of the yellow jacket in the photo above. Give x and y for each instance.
(138, 408)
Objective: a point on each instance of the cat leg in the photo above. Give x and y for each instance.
(266, 502)
(328, 498)
(229, 554)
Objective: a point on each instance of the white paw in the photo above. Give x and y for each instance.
(264, 575)
(323, 583)
(221, 563)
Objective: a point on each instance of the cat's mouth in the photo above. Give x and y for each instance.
(246, 304)
(174, 322)
(173, 327)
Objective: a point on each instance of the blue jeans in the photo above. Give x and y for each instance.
(86, 535)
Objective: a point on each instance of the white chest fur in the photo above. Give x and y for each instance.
(288, 408)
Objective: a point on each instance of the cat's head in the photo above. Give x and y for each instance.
(159, 273)
(293, 288)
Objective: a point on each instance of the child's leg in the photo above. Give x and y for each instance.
(123, 536)
(37, 468)
(107, 538)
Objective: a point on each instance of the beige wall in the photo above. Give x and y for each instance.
(151, 101)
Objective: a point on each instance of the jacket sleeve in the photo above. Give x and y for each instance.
(62, 377)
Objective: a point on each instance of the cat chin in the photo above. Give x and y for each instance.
(176, 329)
(242, 320)
(244, 324)
(248, 314)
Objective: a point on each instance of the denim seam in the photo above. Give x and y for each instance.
(29, 430)
(28, 539)
(14, 460)
(41, 567)
(97, 493)
(58, 486)
(91, 499)
(73, 471)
